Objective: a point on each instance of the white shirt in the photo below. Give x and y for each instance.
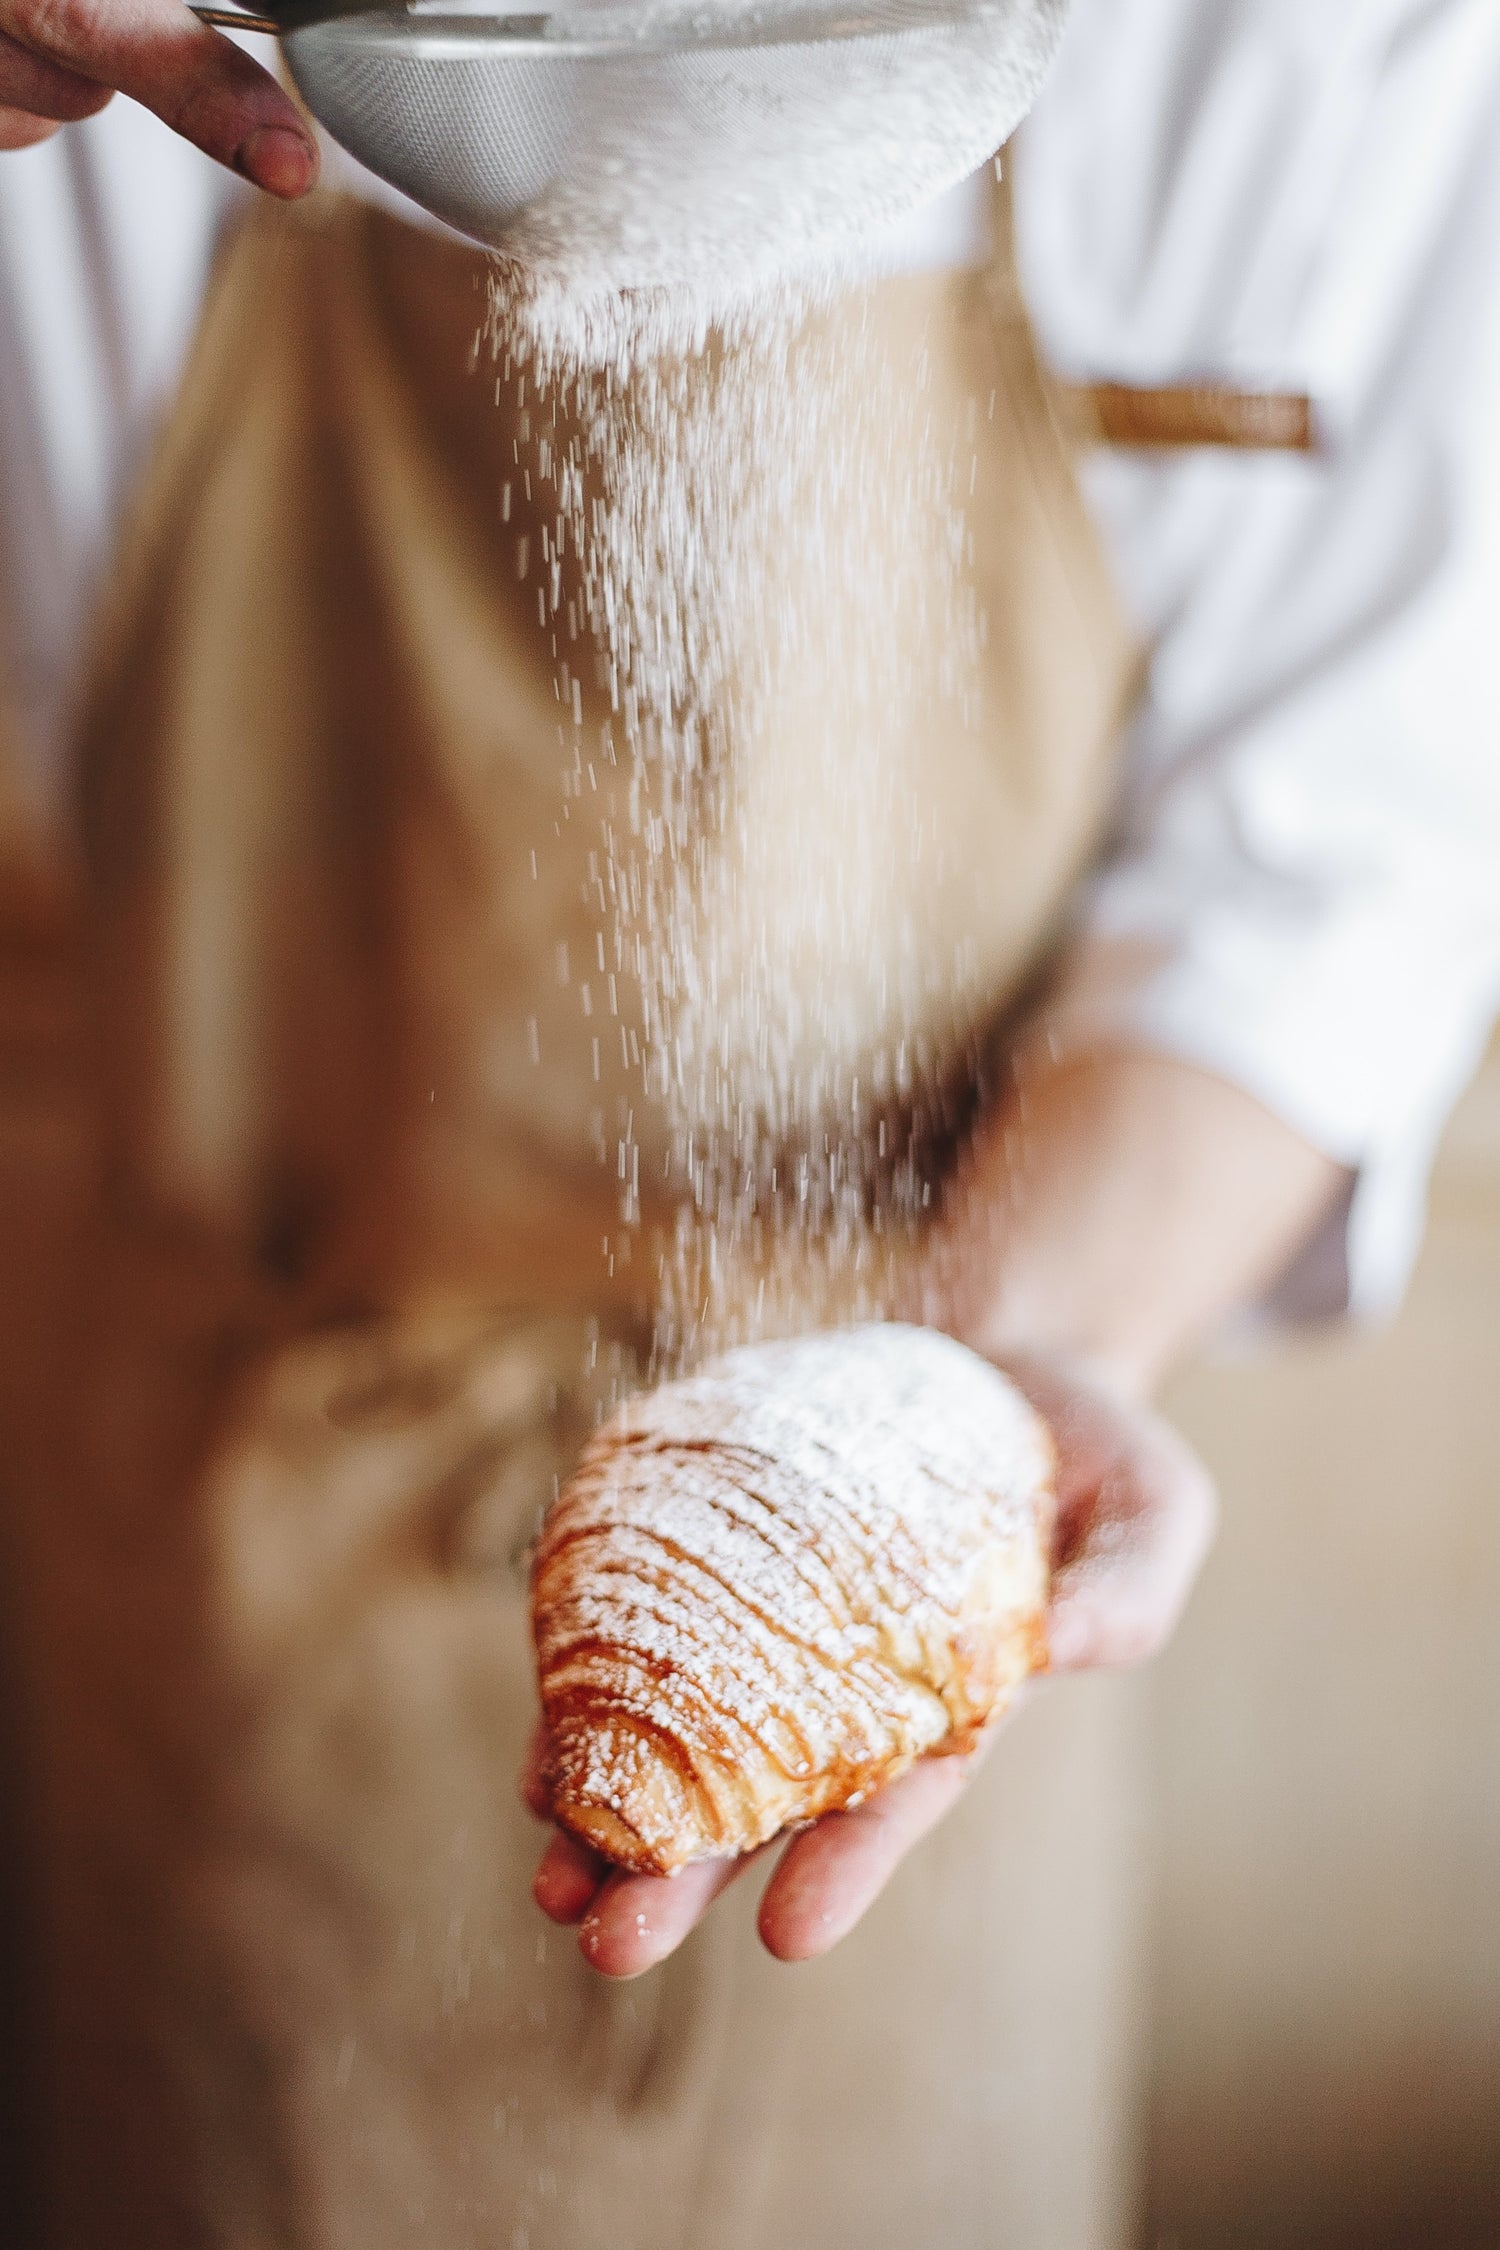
(1297, 192)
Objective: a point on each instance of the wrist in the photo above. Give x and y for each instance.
(997, 1297)
(1113, 1209)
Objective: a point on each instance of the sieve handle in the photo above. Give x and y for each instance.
(237, 19)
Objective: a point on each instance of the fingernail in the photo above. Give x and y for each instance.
(282, 162)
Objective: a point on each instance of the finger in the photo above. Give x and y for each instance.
(18, 129)
(41, 90)
(1118, 1595)
(568, 1880)
(1093, 1429)
(637, 1920)
(200, 84)
(832, 1875)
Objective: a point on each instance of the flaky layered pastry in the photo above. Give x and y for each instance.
(770, 1587)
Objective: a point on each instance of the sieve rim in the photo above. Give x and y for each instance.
(555, 35)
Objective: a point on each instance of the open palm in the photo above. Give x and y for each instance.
(1135, 1516)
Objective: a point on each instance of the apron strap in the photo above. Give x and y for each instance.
(1180, 416)
(1161, 417)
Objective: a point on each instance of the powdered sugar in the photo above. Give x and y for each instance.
(723, 529)
(772, 1584)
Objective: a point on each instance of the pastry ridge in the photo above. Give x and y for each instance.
(768, 1588)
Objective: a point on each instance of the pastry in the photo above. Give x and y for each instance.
(768, 1588)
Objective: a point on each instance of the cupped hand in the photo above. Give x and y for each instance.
(61, 60)
(1135, 1516)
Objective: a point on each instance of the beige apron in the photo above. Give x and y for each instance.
(320, 1276)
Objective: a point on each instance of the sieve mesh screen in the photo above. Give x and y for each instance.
(630, 147)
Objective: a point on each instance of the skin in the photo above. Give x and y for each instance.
(1117, 1206)
(61, 60)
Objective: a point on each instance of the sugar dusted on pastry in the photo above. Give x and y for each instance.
(771, 1586)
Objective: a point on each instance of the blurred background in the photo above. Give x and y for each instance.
(1327, 1968)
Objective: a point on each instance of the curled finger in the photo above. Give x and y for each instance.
(19, 129)
(637, 1920)
(832, 1875)
(199, 83)
(568, 1880)
(37, 91)
(1118, 1594)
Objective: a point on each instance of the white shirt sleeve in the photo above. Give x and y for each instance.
(1305, 868)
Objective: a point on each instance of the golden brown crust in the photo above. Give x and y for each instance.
(768, 1589)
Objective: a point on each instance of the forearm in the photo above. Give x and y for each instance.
(1114, 1208)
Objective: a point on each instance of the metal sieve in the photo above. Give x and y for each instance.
(634, 144)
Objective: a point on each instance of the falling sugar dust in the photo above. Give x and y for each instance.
(748, 548)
